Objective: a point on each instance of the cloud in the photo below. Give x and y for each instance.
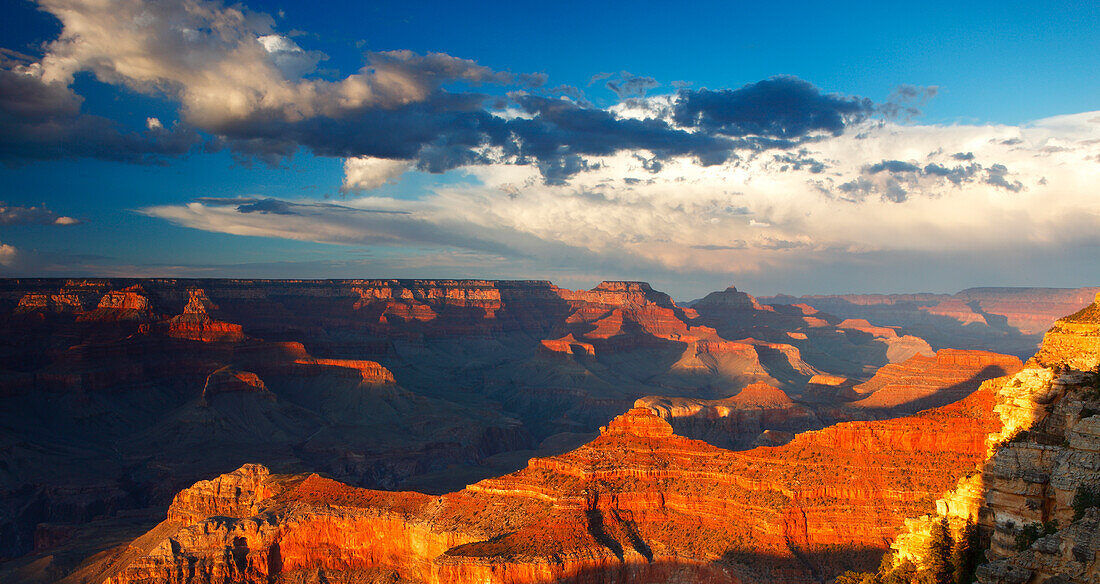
(906, 101)
(754, 218)
(366, 173)
(42, 120)
(892, 166)
(256, 91)
(8, 255)
(629, 85)
(780, 107)
(12, 215)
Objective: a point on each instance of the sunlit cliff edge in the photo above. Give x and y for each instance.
(1034, 498)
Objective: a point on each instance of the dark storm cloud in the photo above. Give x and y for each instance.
(40, 121)
(780, 107)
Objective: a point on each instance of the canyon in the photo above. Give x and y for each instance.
(456, 430)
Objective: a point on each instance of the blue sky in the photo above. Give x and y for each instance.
(753, 151)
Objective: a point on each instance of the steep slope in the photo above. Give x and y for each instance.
(1034, 498)
(637, 504)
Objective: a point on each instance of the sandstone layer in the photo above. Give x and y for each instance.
(637, 504)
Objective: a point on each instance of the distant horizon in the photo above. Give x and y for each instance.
(677, 299)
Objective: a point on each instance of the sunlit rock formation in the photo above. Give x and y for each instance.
(638, 503)
(1031, 498)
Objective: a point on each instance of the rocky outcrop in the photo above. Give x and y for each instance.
(736, 422)
(1068, 555)
(1043, 466)
(197, 322)
(1074, 341)
(637, 504)
(128, 304)
(228, 380)
(238, 494)
(922, 382)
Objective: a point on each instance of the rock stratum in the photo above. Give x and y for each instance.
(636, 504)
(1006, 320)
(1035, 499)
(116, 394)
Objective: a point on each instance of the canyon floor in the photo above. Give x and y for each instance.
(460, 431)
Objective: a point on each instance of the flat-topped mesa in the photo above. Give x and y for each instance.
(118, 305)
(61, 303)
(639, 421)
(621, 293)
(731, 298)
(976, 359)
(371, 372)
(1073, 341)
(761, 395)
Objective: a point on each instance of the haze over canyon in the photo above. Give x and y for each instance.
(515, 431)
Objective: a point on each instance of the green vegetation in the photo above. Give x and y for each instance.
(939, 567)
(851, 577)
(1085, 497)
(947, 561)
(1031, 533)
(967, 554)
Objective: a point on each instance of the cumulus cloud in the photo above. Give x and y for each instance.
(14, 215)
(756, 217)
(8, 255)
(254, 89)
(366, 173)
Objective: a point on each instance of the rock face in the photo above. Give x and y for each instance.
(923, 382)
(1074, 341)
(197, 324)
(1043, 462)
(848, 347)
(108, 405)
(637, 504)
(735, 422)
(1006, 320)
(1068, 555)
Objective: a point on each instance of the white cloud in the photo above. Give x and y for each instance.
(224, 64)
(8, 254)
(773, 213)
(366, 173)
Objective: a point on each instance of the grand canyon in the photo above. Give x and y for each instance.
(201, 431)
(453, 292)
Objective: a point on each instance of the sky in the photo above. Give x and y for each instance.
(796, 147)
